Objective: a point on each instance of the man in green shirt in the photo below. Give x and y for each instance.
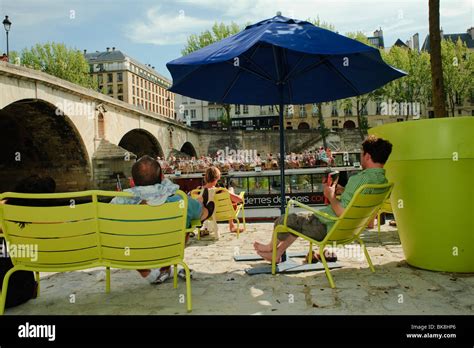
(375, 152)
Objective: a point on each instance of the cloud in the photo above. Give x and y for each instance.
(166, 27)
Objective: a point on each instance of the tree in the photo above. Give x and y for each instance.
(323, 130)
(58, 60)
(206, 38)
(458, 72)
(413, 89)
(361, 101)
(437, 82)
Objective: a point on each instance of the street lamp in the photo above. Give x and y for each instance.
(7, 24)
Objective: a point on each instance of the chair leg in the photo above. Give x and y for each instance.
(243, 218)
(37, 278)
(326, 268)
(378, 223)
(367, 256)
(238, 226)
(310, 253)
(274, 248)
(189, 302)
(3, 297)
(107, 280)
(199, 233)
(175, 276)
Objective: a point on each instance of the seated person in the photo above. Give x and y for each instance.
(375, 152)
(153, 189)
(212, 176)
(22, 286)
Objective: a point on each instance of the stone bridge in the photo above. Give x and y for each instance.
(80, 137)
(85, 139)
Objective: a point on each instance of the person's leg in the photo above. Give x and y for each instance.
(281, 248)
(294, 221)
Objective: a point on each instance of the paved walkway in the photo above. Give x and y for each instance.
(220, 285)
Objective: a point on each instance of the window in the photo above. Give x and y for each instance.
(246, 109)
(133, 100)
(364, 110)
(100, 79)
(120, 88)
(141, 93)
(237, 109)
(133, 90)
(378, 108)
(335, 123)
(141, 83)
(458, 100)
(348, 111)
(193, 113)
(271, 108)
(120, 97)
(399, 119)
(133, 78)
(119, 77)
(302, 111)
(110, 78)
(334, 109)
(110, 90)
(315, 110)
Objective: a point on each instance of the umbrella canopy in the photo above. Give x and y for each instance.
(312, 64)
(281, 61)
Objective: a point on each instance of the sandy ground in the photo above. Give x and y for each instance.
(221, 286)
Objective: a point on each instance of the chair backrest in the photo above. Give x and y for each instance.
(93, 233)
(224, 210)
(363, 206)
(61, 235)
(135, 235)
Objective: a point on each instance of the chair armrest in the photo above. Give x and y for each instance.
(292, 202)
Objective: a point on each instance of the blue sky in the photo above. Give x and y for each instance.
(155, 31)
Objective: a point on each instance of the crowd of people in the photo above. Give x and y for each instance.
(306, 159)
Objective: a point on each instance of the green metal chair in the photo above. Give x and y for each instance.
(95, 234)
(347, 228)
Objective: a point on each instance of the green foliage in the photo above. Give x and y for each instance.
(319, 23)
(58, 60)
(458, 72)
(208, 37)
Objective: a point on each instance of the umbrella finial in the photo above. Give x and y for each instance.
(279, 13)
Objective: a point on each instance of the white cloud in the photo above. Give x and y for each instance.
(166, 28)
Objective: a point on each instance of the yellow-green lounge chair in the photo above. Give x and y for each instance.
(224, 210)
(347, 228)
(95, 234)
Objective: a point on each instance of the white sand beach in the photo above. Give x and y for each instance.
(221, 286)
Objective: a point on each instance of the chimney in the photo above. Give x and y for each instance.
(85, 51)
(470, 31)
(113, 48)
(108, 49)
(441, 34)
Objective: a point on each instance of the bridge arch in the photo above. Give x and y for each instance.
(189, 149)
(141, 143)
(37, 138)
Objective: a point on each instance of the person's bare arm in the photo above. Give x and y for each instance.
(235, 198)
(330, 193)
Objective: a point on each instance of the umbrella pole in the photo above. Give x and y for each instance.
(282, 158)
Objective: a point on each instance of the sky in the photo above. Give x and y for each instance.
(155, 31)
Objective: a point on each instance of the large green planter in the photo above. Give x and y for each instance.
(432, 166)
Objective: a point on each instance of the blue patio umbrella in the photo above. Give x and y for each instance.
(281, 61)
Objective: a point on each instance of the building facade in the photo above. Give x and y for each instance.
(122, 77)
